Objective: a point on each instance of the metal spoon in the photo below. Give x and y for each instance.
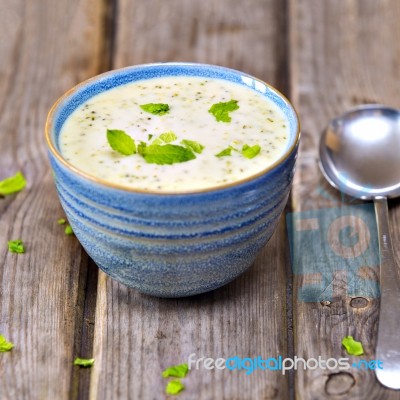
(360, 155)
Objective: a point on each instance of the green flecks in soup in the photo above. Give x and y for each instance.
(175, 134)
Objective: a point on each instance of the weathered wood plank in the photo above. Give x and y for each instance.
(46, 47)
(343, 53)
(137, 336)
(251, 38)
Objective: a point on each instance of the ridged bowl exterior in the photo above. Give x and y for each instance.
(170, 245)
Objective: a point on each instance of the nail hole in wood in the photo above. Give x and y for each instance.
(339, 383)
(325, 303)
(359, 302)
(160, 335)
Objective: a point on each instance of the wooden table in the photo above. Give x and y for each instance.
(326, 56)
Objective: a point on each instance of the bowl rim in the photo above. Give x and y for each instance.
(102, 182)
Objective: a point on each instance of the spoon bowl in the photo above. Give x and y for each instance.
(360, 152)
(360, 156)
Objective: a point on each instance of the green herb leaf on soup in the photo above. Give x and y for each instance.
(16, 246)
(177, 371)
(225, 152)
(221, 110)
(121, 142)
(84, 362)
(168, 137)
(352, 347)
(251, 151)
(157, 141)
(192, 145)
(13, 184)
(68, 230)
(174, 387)
(167, 154)
(141, 148)
(61, 221)
(5, 345)
(155, 108)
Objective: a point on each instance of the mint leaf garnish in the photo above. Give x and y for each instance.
(225, 152)
(174, 387)
(141, 148)
(157, 141)
(155, 108)
(13, 184)
(250, 151)
(177, 371)
(16, 246)
(352, 347)
(221, 110)
(5, 345)
(168, 137)
(167, 154)
(192, 145)
(68, 230)
(121, 142)
(84, 362)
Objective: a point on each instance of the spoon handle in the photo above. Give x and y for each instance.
(388, 346)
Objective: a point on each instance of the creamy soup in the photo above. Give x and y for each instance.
(224, 132)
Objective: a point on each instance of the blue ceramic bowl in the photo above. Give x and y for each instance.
(179, 244)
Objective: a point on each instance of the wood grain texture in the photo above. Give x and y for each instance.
(46, 47)
(251, 38)
(343, 53)
(137, 336)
